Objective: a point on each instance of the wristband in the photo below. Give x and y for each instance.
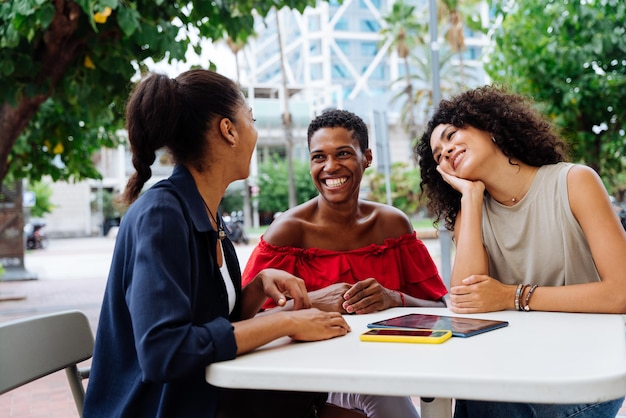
(527, 301)
(402, 298)
(518, 295)
(521, 295)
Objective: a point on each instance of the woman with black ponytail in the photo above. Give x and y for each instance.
(173, 302)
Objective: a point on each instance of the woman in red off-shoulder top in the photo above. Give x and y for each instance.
(354, 256)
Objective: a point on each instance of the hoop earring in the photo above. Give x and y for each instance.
(493, 139)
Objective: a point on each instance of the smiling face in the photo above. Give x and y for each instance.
(461, 151)
(337, 164)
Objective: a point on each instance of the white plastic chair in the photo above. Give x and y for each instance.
(31, 348)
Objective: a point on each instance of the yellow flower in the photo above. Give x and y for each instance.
(89, 63)
(58, 149)
(101, 17)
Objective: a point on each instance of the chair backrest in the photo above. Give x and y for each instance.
(34, 347)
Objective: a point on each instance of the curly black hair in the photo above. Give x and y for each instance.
(340, 119)
(518, 129)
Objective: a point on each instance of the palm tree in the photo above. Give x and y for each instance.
(403, 31)
(421, 79)
(451, 12)
(287, 122)
(236, 45)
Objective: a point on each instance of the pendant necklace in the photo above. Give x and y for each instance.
(220, 231)
(515, 198)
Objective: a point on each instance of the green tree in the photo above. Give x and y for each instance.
(286, 116)
(453, 13)
(233, 199)
(569, 56)
(403, 31)
(405, 185)
(66, 66)
(43, 193)
(421, 78)
(274, 185)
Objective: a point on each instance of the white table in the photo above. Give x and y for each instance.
(540, 357)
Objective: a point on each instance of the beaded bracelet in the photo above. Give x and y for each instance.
(518, 293)
(527, 301)
(521, 295)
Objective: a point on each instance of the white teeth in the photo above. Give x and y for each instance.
(336, 182)
(458, 157)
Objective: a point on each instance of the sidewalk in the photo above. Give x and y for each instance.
(72, 275)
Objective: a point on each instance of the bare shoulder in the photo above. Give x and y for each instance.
(392, 219)
(582, 180)
(586, 192)
(580, 172)
(288, 227)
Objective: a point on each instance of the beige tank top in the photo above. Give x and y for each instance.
(538, 240)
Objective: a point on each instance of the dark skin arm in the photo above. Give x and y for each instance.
(300, 229)
(366, 296)
(369, 296)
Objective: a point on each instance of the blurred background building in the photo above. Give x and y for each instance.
(335, 55)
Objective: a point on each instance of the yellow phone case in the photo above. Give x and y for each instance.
(421, 336)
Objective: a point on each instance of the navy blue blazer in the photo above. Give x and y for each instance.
(164, 316)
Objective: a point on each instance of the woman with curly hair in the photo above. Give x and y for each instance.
(532, 231)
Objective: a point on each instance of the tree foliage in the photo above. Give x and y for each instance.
(404, 183)
(404, 30)
(570, 56)
(43, 195)
(66, 68)
(273, 184)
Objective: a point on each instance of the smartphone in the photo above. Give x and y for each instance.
(423, 336)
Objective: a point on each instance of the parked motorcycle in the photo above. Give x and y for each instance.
(36, 237)
(234, 226)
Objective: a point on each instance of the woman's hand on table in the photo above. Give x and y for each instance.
(480, 293)
(330, 298)
(280, 286)
(368, 296)
(314, 325)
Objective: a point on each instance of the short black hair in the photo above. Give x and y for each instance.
(340, 119)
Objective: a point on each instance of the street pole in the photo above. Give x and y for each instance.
(445, 239)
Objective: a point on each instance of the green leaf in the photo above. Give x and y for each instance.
(6, 67)
(113, 4)
(24, 7)
(45, 15)
(128, 20)
(11, 38)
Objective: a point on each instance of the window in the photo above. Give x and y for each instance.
(377, 74)
(344, 46)
(369, 49)
(315, 47)
(314, 23)
(316, 71)
(368, 25)
(342, 24)
(375, 3)
(340, 71)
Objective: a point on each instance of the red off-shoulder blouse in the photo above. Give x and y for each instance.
(402, 264)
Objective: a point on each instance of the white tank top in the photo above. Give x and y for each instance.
(228, 282)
